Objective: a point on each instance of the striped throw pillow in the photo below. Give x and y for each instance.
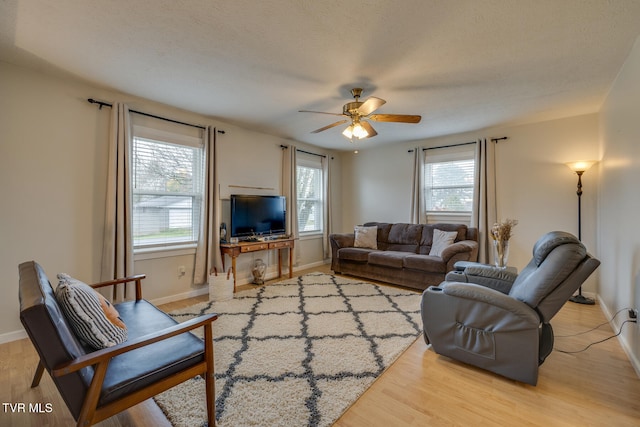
(89, 313)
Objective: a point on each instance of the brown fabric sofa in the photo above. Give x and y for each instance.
(402, 254)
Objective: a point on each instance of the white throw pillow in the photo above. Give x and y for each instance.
(366, 237)
(442, 239)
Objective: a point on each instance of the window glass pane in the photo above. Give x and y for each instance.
(167, 193)
(309, 188)
(449, 185)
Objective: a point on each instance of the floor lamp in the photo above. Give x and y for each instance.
(579, 168)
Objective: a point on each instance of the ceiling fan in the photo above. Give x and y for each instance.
(359, 113)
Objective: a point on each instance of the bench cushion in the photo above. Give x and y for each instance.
(140, 368)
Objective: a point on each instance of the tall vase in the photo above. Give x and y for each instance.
(501, 253)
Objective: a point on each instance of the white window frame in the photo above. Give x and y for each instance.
(197, 194)
(463, 152)
(315, 163)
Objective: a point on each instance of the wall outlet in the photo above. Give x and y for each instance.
(182, 271)
(633, 314)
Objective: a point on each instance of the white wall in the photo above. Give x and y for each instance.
(619, 202)
(52, 180)
(534, 185)
(376, 185)
(53, 157)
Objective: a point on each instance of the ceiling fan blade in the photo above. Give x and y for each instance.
(330, 126)
(319, 112)
(370, 130)
(398, 118)
(370, 105)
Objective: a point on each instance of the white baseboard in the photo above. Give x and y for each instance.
(312, 265)
(635, 362)
(246, 278)
(178, 297)
(13, 336)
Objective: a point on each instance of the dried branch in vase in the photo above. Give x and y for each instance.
(501, 231)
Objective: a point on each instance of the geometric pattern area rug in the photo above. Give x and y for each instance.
(296, 353)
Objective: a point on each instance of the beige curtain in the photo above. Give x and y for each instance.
(327, 226)
(484, 213)
(289, 188)
(208, 252)
(418, 214)
(117, 250)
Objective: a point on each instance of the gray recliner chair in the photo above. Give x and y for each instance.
(502, 324)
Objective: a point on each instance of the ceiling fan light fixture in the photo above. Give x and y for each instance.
(360, 113)
(355, 130)
(348, 132)
(359, 132)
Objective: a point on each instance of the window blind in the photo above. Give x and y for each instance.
(168, 184)
(309, 194)
(449, 180)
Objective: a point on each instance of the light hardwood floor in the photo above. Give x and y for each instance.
(597, 387)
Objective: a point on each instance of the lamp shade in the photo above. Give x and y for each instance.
(581, 165)
(348, 132)
(355, 130)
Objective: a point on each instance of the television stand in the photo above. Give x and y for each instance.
(235, 249)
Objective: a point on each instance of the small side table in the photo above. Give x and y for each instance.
(235, 249)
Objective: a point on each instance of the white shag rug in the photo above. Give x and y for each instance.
(296, 353)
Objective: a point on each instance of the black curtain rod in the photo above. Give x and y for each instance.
(462, 143)
(106, 104)
(286, 147)
(308, 152)
(449, 146)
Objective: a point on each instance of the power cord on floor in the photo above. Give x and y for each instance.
(598, 342)
(594, 328)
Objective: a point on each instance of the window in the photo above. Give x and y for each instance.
(449, 176)
(309, 193)
(168, 188)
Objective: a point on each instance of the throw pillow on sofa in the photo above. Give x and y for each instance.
(441, 239)
(366, 237)
(94, 320)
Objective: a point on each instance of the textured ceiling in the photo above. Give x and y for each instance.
(461, 64)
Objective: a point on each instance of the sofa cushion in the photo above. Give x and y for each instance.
(427, 234)
(383, 233)
(388, 258)
(83, 308)
(366, 237)
(441, 240)
(354, 254)
(430, 264)
(405, 237)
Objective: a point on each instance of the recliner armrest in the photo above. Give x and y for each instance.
(485, 275)
(462, 302)
(491, 272)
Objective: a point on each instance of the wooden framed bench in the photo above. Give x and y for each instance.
(158, 354)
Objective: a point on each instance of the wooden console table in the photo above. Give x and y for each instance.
(234, 250)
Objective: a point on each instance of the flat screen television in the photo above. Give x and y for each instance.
(257, 215)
